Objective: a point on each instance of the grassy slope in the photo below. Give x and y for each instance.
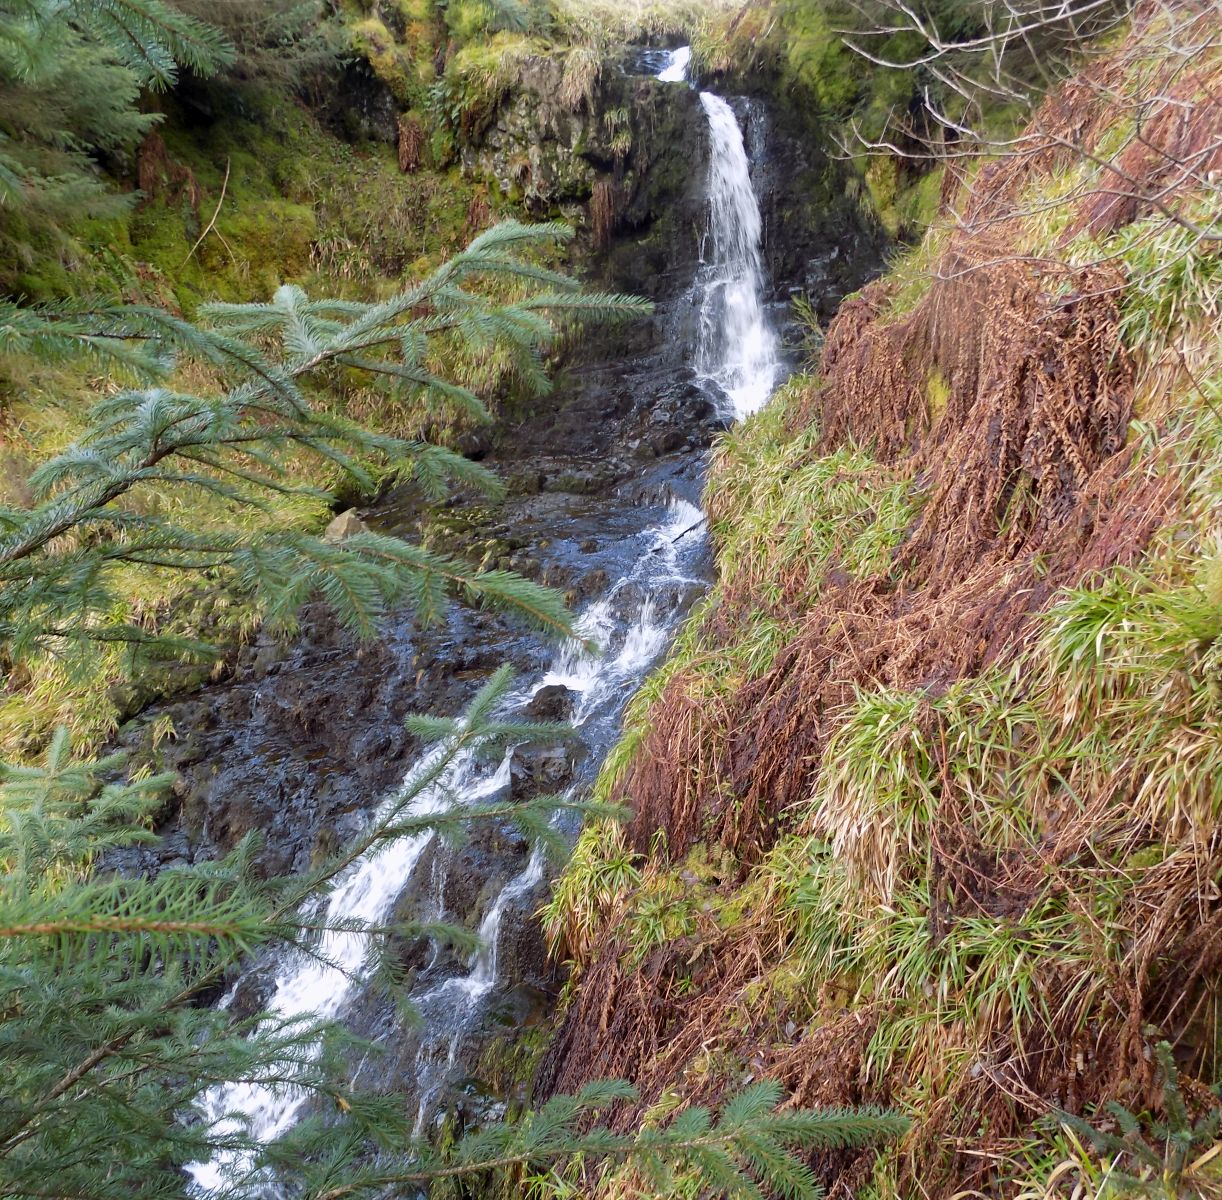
(244, 188)
(925, 803)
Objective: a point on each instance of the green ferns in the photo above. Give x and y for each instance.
(1159, 1159)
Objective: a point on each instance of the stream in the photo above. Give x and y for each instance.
(663, 566)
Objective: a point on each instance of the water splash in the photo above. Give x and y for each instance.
(452, 1008)
(320, 985)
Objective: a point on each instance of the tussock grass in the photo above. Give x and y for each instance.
(800, 511)
(477, 79)
(583, 68)
(951, 722)
(616, 22)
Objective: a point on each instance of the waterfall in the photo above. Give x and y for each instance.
(677, 63)
(738, 348)
(629, 628)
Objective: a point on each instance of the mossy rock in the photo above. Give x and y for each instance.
(391, 64)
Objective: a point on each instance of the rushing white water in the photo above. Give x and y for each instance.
(738, 347)
(621, 636)
(320, 985)
(738, 350)
(677, 63)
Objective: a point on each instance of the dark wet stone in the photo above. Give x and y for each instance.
(553, 702)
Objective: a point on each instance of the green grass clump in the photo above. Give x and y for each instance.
(476, 80)
(793, 513)
(910, 275)
(782, 517)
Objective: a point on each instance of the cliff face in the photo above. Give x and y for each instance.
(924, 807)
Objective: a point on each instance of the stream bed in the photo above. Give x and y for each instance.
(644, 558)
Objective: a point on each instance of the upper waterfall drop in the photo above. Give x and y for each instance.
(738, 347)
(676, 67)
(738, 350)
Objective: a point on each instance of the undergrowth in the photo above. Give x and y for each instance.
(924, 807)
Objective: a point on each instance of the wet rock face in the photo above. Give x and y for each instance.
(301, 741)
(553, 702)
(817, 239)
(608, 161)
(359, 106)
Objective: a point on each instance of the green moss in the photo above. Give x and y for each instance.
(508, 1064)
(905, 206)
(937, 395)
(882, 180)
(911, 273)
(391, 63)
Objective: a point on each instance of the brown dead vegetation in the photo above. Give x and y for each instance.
(160, 177)
(1029, 487)
(604, 211)
(410, 142)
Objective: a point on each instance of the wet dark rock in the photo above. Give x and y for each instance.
(358, 106)
(552, 702)
(578, 483)
(253, 991)
(302, 740)
(666, 440)
(541, 770)
(551, 158)
(593, 582)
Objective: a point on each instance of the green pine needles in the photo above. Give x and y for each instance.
(71, 77)
(745, 1152)
(106, 504)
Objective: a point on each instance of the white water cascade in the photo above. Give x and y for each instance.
(630, 626)
(738, 350)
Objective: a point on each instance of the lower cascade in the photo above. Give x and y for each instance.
(738, 362)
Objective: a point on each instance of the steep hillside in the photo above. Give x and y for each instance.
(923, 809)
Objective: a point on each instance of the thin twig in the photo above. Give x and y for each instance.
(216, 212)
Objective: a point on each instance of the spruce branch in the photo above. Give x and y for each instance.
(242, 445)
(751, 1140)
